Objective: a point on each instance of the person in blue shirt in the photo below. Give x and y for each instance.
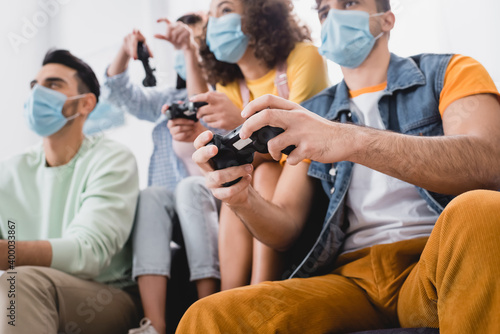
(165, 168)
(158, 205)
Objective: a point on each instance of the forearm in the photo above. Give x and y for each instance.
(268, 222)
(195, 82)
(143, 102)
(119, 64)
(27, 253)
(445, 164)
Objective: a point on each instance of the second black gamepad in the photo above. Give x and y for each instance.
(185, 110)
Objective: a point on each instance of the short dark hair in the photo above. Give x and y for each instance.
(87, 81)
(190, 19)
(382, 5)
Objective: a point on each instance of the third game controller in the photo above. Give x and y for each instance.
(185, 110)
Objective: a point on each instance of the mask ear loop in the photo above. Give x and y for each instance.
(76, 97)
(70, 118)
(377, 15)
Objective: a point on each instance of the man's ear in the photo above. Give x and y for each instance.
(88, 104)
(388, 21)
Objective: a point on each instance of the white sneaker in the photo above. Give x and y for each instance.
(146, 328)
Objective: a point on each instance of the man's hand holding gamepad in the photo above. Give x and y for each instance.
(233, 195)
(315, 138)
(220, 113)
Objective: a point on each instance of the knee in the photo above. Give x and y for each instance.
(475, 211)
(191, 187)
(196, 316)
(205, 306)
(483, 203)
(153, 199)
(266, 175)
(265, 169)
(28, 280)
(225, 311)
(191, 192)
(158, 194)
(155, 212)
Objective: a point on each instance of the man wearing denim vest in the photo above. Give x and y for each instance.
(399, 250)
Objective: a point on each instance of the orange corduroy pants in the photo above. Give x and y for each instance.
(450, 280)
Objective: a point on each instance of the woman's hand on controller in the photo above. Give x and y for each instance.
(220, 113)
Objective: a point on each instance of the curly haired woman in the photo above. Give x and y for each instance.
(252, 48)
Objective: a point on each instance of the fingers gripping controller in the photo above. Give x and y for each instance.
(143, 55)
(233, 151)
(185, 110)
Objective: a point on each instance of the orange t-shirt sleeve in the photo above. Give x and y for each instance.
(284, 157)
(464, 77)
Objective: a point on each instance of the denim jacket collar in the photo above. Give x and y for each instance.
(403, 73)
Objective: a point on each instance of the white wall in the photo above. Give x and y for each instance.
(456, 26)
(93, 30)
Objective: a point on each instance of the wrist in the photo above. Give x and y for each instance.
(190, 51)
(244, 204)
(360, 140)
(123, 54)
(119, 64)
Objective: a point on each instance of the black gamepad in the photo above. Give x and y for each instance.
(143, 55)
(185, 110)
(233, 151)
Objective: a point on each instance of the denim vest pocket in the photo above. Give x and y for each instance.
(323, 172)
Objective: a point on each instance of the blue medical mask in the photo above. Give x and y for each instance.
(225, 38)
(346, 38)
(180, 64)
(43, 110)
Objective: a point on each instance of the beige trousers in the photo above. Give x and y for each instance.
(47, 301)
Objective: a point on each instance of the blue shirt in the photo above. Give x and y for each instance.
(165, 168)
